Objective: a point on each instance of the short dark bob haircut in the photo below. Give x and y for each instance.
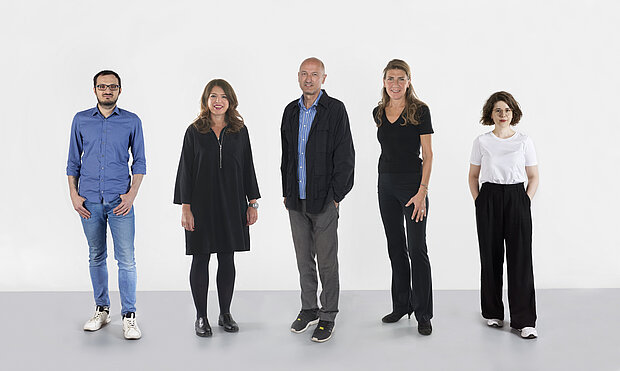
(105, 73)
(500, 96)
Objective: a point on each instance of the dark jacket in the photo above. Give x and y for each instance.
(330, 156)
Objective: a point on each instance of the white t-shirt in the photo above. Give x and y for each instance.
(503, 161)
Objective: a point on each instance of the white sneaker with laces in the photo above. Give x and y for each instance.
(131, 331)
(100, 318)
(493, 322)
(529, 333)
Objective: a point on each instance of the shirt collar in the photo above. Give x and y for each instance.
(316, 101)
(95, 111)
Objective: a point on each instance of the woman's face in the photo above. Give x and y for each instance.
(501, 114)
(217, 101)
(396, 83)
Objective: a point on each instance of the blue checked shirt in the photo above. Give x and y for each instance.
(99, 153)
(306, 116)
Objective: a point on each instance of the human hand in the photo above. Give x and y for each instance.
(336, 204)
(419, 206)
(78, 205)
(251, 215)
(187, 219)
(125, 206)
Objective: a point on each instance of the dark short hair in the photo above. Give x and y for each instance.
(105, 73)
(500, 96)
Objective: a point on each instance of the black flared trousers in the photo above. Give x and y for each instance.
(503, 214)
(412, 289)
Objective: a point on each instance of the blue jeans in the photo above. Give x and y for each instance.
(123, 231)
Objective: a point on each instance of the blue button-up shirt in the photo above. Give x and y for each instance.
(306, 116)
(99, 153)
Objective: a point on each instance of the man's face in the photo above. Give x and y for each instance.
(107, 90)
(311, 76)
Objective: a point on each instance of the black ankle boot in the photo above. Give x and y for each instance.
(228, 322)
(202, 327)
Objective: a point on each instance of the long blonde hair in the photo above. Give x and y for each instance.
(412, 102)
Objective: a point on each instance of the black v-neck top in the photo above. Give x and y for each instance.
(400, 145)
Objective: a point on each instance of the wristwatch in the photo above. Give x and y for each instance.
(253, 204)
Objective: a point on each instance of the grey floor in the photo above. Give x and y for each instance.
(579, 330)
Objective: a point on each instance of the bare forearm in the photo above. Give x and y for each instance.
(427, 166)
(474, 186)
(532, 186)
(135, 184)
(532, 180)
(73, 184)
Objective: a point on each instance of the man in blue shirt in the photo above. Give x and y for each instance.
(317, 172)
(102, 193)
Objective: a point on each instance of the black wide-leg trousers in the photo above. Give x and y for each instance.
(412, 289)
(503, 214)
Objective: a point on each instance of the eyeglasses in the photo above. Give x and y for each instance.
(103, 87)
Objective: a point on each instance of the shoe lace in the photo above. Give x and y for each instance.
(131, 322)
(97, 316)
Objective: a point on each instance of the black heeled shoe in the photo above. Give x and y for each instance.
(228, 322)
(395, 317)
(202, 327)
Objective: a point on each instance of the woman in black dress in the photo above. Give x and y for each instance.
(217, 188)
(403, 126)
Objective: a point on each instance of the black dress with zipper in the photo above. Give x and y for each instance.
(216, 177)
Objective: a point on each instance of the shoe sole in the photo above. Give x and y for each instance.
(311, 323)
(205, 335)
(323, 340)
(99, 328)
(531, 336)
(316, 340)
(495, 325)
(228, 330)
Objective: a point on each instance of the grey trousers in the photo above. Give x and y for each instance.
(315, 236)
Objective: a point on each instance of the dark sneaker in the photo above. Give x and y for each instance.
(305, 319)
(425, 328)
(323, 331)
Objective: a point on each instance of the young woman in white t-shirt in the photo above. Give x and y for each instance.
(502, 160)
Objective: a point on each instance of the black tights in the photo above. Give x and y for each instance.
(199, 281)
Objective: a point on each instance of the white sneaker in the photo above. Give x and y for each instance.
(493, 322)
(131, 331)
(529, 333)
(100, 318)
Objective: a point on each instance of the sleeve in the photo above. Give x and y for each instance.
(137, 149)
(249, 174)
(344, 157)
(184, 184)
(425, 125)
(74, 161)
(284, 162)
(530, 153)
(476, 154)
(374, 115)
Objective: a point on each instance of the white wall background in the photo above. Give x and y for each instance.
(560, 59)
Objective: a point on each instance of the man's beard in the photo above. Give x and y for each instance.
(107, 103)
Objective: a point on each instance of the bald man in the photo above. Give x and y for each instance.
(317, 172)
